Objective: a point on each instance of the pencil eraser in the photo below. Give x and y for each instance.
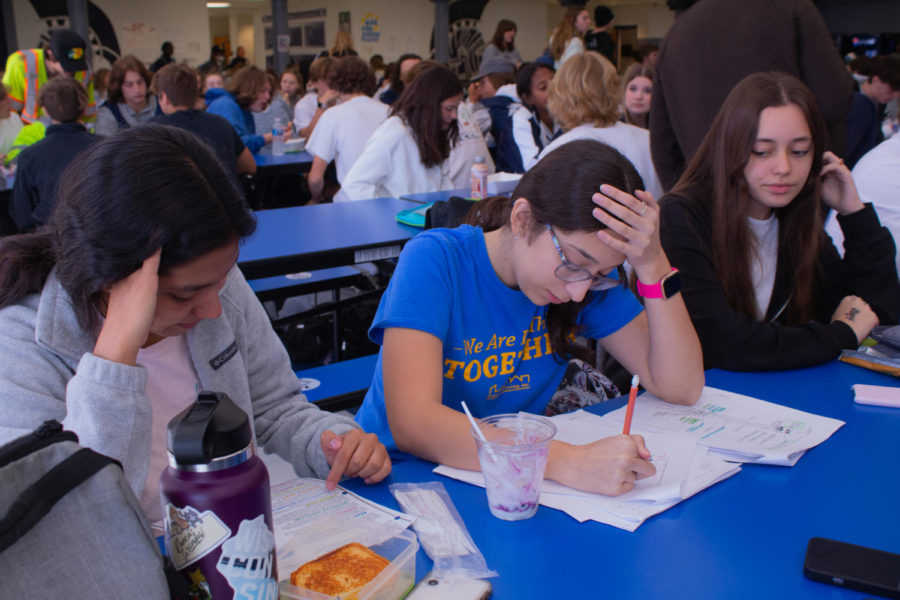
(877, 395)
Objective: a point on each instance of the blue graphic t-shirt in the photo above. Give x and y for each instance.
(497, 354)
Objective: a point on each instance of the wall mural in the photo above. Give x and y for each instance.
(103, 42)
(466, 41)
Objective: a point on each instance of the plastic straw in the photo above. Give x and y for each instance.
(474, 424)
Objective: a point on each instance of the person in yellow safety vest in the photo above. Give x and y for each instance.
(27, 70)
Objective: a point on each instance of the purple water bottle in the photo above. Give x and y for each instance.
(216, 503)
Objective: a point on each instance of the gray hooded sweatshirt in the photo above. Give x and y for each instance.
(48, 371)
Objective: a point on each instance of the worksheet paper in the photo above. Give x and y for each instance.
(310, 520)
(737, 428)
(682, 469)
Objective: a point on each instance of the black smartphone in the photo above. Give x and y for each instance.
(853, 567)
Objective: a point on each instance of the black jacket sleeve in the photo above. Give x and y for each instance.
(868, 268)
(732, 340)
(24, 199)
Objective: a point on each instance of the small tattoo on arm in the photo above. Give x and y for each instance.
(851, 314)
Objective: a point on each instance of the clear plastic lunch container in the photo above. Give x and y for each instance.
(391, 584)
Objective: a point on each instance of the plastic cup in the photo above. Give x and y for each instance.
(512, 461)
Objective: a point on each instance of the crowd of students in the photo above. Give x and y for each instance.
(130, 282)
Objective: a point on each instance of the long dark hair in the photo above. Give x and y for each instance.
(420, 107)
(584, 165)
(395, 76)
(502, 27)
(715, 179)
(128, 195)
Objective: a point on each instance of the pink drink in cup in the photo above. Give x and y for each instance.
(512, 461)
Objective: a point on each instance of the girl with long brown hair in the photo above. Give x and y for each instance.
(487, 314)
(764, 285)
(408, 152)
(503, 44)
(567, 38)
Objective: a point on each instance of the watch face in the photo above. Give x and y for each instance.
(671, 285)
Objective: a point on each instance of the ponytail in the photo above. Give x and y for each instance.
(490, 214)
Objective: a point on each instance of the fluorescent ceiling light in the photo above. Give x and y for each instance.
(218, 4)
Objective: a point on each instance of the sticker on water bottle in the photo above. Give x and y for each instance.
(192, 534)
(248, 561)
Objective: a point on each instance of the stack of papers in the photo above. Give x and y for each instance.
(737, 428)
(682, 469)
(691, 446)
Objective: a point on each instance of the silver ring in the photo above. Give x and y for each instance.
(643, 208)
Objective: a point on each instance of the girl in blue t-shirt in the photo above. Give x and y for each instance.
(486, 315)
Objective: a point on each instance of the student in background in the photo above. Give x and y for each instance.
(216, 60)
(408, 152)
(343, 45)
(636, 94)
(398, 73)
(291, 86)
(649, 55)
(10, 124)
(136, 289)
(598, 38)
(533, 127)
(585, 96)
(497, 94)
(212, 80)
(876, 178)
(376, 63)
(28, 135)
(248, 92)
(883, 87)
(277, 109)
(539, 267)
(41, 164)
(342, 132)
(101, 85)
(503, 44)
(165, 58)
(318, 98)
(492, 75)
(239, 61)
(130, 102)
(469, 143)
(764, 285)
(176, 88)
(566, 40)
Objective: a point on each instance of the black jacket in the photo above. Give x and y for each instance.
(39, 171)
(734, 341)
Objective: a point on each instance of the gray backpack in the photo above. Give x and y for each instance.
(71, 527)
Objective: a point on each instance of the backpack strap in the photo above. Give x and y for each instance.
(49, 432)
(117, 113)
(38, 498)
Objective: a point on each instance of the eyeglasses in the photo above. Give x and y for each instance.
(571, 273)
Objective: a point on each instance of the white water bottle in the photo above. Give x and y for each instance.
(278, 137)
(479, 178)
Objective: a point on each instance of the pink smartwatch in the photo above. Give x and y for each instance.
(666, 287)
